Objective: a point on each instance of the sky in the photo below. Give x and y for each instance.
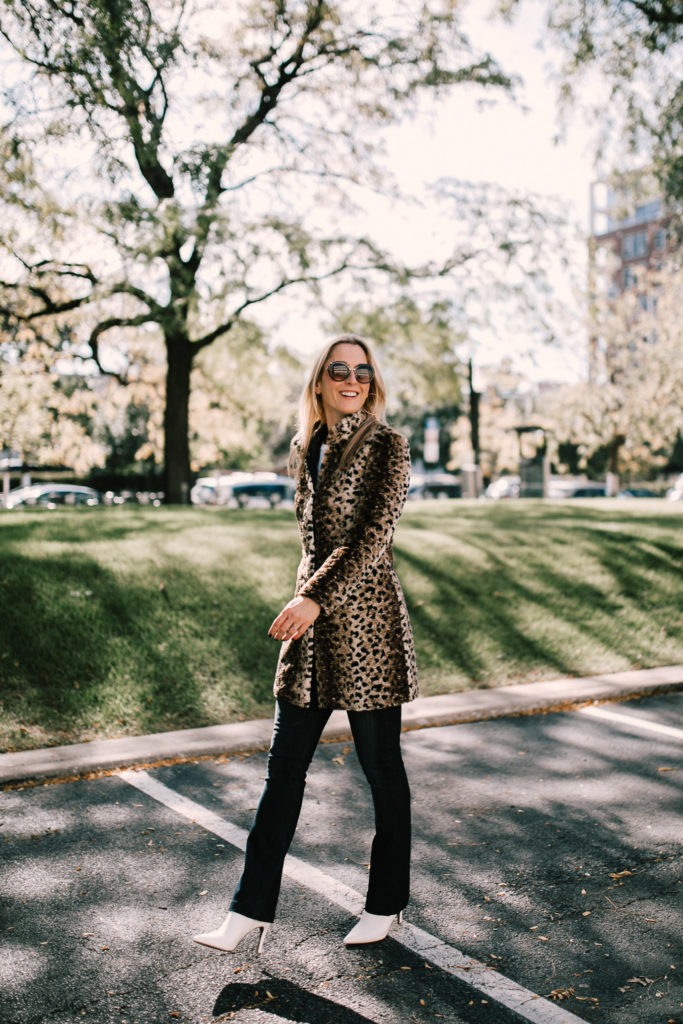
(508, 143)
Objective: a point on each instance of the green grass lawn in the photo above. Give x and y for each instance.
(126, 620)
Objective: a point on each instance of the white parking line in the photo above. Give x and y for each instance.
(485, 980)
(633, 721)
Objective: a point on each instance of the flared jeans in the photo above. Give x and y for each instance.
(296, 733)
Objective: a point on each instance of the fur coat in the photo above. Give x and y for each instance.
(361, 645)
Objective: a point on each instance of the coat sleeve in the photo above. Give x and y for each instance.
(384, 492)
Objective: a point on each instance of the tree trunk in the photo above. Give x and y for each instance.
(176, 420)
(612, 480)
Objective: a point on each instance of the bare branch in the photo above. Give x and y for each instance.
(93, 341)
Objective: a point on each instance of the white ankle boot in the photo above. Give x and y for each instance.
(371, 928)
(235, 928)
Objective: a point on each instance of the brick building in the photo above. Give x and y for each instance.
(629, 233)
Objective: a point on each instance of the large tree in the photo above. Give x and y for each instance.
(169, 166)
(624, 60)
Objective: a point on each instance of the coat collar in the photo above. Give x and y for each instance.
(347, 426)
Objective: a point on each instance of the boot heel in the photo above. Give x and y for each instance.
(262, 938)
(399, 917)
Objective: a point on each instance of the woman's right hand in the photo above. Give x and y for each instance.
(294, 619)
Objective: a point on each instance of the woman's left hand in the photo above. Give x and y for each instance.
(295, 618)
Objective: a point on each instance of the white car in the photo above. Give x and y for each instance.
(218, 489)
(52, 495)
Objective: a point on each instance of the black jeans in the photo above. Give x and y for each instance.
(296, 734)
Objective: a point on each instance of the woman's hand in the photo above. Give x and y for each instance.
(295, 618)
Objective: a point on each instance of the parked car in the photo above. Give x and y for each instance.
(52, 495)
(442, 485)
(218, 489)
(575, 487)
(636, 492)
(435, 485)
(268, 487)
(587, 491)
(242, 489)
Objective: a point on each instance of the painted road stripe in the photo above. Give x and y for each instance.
(631, 721)
(483, 979)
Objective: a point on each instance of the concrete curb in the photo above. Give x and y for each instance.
(80, 759)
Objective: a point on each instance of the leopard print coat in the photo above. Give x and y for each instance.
(361, 645)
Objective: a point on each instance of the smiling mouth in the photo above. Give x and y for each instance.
(349, 394)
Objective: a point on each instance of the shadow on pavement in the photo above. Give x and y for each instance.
(285, 999)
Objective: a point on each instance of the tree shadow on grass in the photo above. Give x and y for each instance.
(485, 589)
(83, 645)
(469, 606)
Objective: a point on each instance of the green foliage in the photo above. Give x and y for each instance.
(244, 400)
(569, 454)
(123, 440)
(675, 463)
(418, 352)
(127, 620)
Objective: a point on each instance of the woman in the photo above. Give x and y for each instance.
(346, 636)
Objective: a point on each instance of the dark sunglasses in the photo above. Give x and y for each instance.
(342, 371)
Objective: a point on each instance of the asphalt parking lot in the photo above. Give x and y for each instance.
(546, 884)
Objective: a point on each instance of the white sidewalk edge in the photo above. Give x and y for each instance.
(80, 759)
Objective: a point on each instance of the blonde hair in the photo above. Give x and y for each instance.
(311, 409)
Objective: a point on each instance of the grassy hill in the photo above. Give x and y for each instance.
(126, 620)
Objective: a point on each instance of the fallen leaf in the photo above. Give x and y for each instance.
(560, 993)
(619, 874)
